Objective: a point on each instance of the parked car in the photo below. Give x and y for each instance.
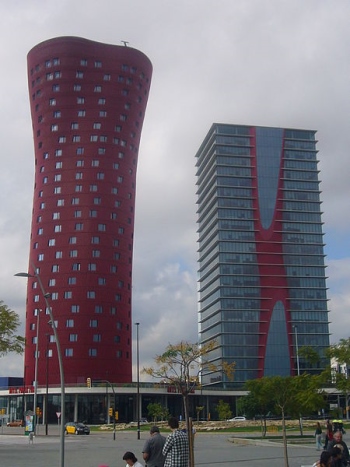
(237, 419)
(15, 423)
(75, 428)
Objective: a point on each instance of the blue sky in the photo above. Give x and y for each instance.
(271, 63)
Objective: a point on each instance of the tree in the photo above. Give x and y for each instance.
(341, 353)
(180, 366)
(9, 323)
(223, 410)
(288, 395)
(157, 412)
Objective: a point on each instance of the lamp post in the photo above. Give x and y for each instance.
(297, 349)
(138, 380)
(47, 383)
(36, 368)
(59, 355)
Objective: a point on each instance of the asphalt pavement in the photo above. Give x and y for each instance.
(219, 449)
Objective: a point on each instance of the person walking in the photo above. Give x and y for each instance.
(318, 435)
(153, 447)
(338, 441)
(329, 433)
(176, 449)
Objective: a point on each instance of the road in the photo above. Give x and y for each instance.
(100, 449)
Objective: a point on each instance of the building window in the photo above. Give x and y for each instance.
(74, 125)
(93, 213)
(52, 242)
(93, 187)
(60, 202)
(80, 151)
(103, 113)
(58, 178)
(79, 74)
(72, 240)
(93, 323)
(97, 126)
(52, 102)
(76, 266)
(57, 190)
(70, 323)
(93, 138)
(78, 188)
(75, 308)
(68, 352)
(106, 77)
(98, 88)
(79, 226)
(58, 153)
(98, 64)
(73, 254)
(41, 257)
(98, 309)
(80, 100)
(83, 62)
(100, 176)
(62, 139)
(101, 101)
(95, 163)
(68, 294)
(92, 267)
(97, 200)
(77, 213)
(101, 227)
(95, 240)
(75, 201)
(81, 113)
(58, 228)
(101, 281)
(92, 353)
(72, 280)
(96, 253)
(96, 338)
(79, 176)
(56, 215)
(55, 268)
(80, 163)
(76, 139)
(58, 254)
(73, 337)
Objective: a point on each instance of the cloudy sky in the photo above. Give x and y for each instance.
(259, 62)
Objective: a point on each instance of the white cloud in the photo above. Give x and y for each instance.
(266, 63)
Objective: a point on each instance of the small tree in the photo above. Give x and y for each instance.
(341, 352)
(199, 410)
(223, 410)
(180, 366)
(157, 412)
(9, 323)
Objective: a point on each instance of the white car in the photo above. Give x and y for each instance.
(237, 419)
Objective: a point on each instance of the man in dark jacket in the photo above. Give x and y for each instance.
(338, 441)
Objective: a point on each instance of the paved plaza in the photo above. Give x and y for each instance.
(101, 449)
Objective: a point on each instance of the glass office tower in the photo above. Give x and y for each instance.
(262, 284)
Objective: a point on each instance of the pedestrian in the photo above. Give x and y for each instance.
(131, 460)
(336, 457)
(338, 442)
(153, 447)
(329, 433)
(175, 449)
(318, 435)
(324, 461)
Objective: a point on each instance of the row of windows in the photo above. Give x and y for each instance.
(91, 294)
(93, 353)
(79, 226)
(92, 267)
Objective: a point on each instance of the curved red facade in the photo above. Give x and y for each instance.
(88, 102)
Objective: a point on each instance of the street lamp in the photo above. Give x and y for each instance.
(59, 354)
(138, 380)
(297, 349)
(36, 368)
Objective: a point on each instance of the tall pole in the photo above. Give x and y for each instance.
(59, 355)
(47, 384)
(297, 349)
(138, 380)
(36, 368)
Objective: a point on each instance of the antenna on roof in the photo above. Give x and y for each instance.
(125, 43)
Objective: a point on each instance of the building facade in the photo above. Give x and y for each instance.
(87, 102)
(262, 284)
